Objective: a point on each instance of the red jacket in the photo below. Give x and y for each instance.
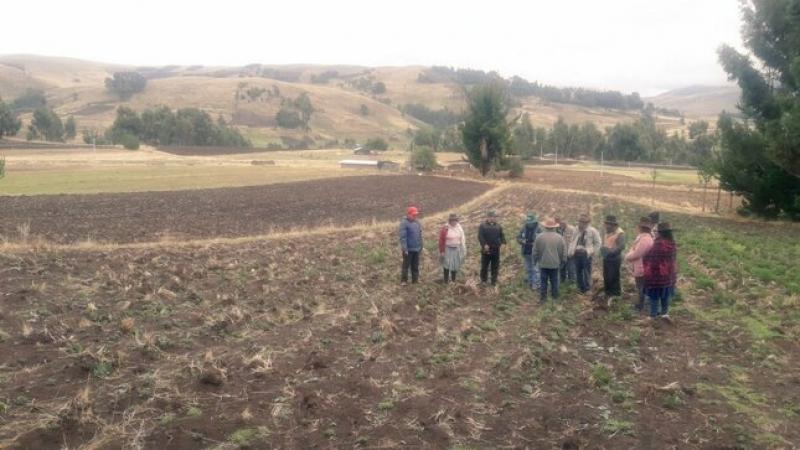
(660, 264)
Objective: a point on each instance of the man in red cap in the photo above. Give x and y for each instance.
(410, 244)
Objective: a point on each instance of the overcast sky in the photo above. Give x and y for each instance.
(630, 45)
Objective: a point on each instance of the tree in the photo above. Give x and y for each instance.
(303, 105)
(429, 137)
(127, 122)
(70, 129)
(125, 84)
(485, 132)
(766, 188)
(30, 100)
(46, 125)
(524, 138)
(698, 128)
(377, 143)
(423, 158)
(363, 110)
(770, 100)
(379, 88)
(9, 122)
(288, 118)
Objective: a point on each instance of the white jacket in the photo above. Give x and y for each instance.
(592, 241)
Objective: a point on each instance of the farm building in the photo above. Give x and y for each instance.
(368, 164)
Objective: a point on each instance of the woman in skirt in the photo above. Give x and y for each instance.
(452, 248)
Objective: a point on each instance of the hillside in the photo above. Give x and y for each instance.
(700, 101)
(346, 106)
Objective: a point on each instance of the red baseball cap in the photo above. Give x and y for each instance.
(412, 211)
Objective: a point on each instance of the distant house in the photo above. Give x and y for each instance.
(368, 164)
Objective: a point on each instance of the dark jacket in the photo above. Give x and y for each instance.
(410, 235)
(660, 264)
(491, 234)
(527, 235)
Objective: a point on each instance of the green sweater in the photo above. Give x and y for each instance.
(549, 250)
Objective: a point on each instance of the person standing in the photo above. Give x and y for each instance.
(584, 245)
(655, 218)
(525, 238)
(642, 244)
(567, 231)
(660, 271)
(411, 245)
(452, 248)
(550, 253)
(613, 244)
(491, 238)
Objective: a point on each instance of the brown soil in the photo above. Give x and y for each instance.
(313, 344)
(620, 185)
(228, 212)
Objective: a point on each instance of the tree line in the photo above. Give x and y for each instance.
(162, 126)
(520, 87)
(45, 123)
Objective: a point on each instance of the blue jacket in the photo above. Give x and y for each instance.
(527, 235)
(410, 235)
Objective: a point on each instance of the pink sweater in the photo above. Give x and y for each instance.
(642, 245)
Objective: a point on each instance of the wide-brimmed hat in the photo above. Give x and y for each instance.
(550, 223)
(584, 218)
(491, 213)
(530, 217)
(453, 216)
(665, 226)
(412, 211)
(611, 220)
(645, 222)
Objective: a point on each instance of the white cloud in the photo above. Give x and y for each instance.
(621, 44)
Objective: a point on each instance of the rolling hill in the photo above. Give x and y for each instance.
(345, 103)
(700, 101)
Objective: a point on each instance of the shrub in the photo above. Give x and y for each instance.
(423, 158)
(377, 143)
(288, 118)
(2, 174)
(129, 141)
(515, 168)
(125, 84)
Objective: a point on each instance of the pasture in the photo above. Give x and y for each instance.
(271, 316)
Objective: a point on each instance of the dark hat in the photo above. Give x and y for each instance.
(645, 222)
(530, 217)
(584, 218)
(654, 216)
(491, 213)
(665, 226)
(611, 220)
(453, 216)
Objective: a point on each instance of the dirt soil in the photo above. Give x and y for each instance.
(227, 212)
(620, 185)
(312, 343)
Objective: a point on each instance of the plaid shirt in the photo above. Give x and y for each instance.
(660, 264)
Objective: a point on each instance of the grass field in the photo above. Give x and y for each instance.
(677, 176)
(165, 178)
(84, 171)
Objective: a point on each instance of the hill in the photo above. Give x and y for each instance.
(351, 103)
(700, 101)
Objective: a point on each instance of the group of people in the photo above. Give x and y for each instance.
(555, 252)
